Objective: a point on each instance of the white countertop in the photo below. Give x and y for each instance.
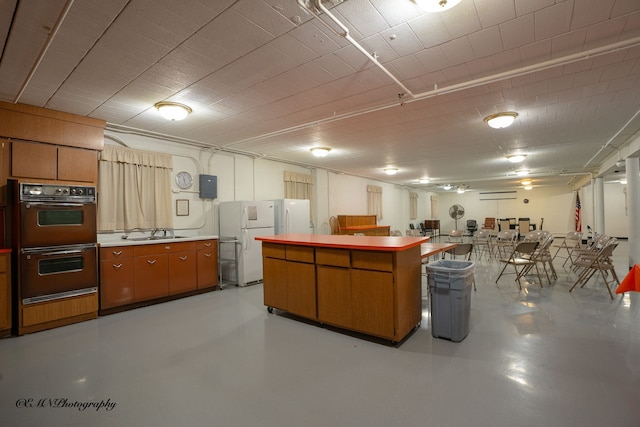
(110, 241)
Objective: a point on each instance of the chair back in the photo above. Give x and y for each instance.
(334, 224)
(524, 224)
(461, 249)
(489, 224)
(526, 248)
(482, 235)
(504, 224)
(395, 233)
(472, 225)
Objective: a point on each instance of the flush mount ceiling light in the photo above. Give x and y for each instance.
(522, 172)
(436, 5)
(501, 120)
(525, 182)
(172, 110)
(461, 189)
(623, 181)
(447, 187)
(528, 187)
(516, 158)
(320, 151)
(423, 180)
(390, 171)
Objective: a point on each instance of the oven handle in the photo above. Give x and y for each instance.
(51, 251)
(65, 205)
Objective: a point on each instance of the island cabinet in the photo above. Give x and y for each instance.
(365, 284)
(291, 282)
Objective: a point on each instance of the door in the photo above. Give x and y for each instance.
(258, 214)
(296, 216)
(250, 262)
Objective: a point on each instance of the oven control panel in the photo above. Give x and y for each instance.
(57, 192)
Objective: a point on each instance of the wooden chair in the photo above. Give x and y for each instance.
(524, 226)
(489, 224)
(523, 257)
(504, 224)
(334, 225)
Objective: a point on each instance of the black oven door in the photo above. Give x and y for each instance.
(51, 224)
(59, 272)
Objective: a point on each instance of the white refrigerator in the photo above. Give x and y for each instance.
(293, 216)
(243, 221)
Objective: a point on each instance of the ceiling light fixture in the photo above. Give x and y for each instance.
(516, 158)
(436, 5)
(528, 187)
(390, 171)
(320, 151)
(423, 180)
(525, 182)
(501, 120)
(522, 172)
(461, 189)
(447, 187)
(172, 110)
(623, 181)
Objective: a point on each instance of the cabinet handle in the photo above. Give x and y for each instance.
(207, 255)
(151, 261)
(207, 244)
(183, 258)
(117, 266)
(117, 253)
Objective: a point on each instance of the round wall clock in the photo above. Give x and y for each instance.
(184, 180)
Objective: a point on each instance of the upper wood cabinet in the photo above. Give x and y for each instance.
(51, 162)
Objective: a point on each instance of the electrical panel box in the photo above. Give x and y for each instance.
(208, 186)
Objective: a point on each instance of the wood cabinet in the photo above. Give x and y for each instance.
(116, 276)
(5, 294)
(51, 162)
(358, 285)
(207, 262)
(146, 272)
(290, 279)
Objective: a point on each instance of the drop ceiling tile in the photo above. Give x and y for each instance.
(458, 51)
(518, 32)
(589, 12)
(430, 30)
(464, 22)
(486, 42)
(524, 7)
(495, 12)
(553, 20)
(264, 16)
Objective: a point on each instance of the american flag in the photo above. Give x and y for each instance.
(578, 219)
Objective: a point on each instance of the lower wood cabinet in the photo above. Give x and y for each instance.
(5, 294)
(133, 274)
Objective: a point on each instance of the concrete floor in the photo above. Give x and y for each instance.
(540, 356)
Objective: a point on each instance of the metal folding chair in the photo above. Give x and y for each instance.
(603, 263)
(523, 257)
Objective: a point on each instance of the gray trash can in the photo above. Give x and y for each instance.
(450, 283)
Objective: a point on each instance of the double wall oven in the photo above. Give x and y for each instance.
(57, 241)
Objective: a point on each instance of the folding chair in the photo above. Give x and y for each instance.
(571, 242)
(523, 256)
(482, 241)
(456, 236)
(603, 263)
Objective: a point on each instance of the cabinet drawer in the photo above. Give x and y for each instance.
(4, 263)
(372, 260)
(116, 252)
(273, 250)
(299, 253)
(163, 248)
(336, 257)
(206, 244)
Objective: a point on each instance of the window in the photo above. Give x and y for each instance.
(374, 201)
(134, 190)
(413, 205)
(299, 186)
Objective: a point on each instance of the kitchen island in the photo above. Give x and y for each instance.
(367, 284)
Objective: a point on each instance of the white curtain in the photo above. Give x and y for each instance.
(434, 207)
(134, 189)
(413, 205)
(374, 201)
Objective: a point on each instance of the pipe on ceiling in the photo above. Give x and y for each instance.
(45, 48)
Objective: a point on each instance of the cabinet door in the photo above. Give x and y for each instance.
(151, 277)
(182, 272)
(33, 160)
(372, 301)
(116, 282)
(76, 164)
(208, 267)
(301, 289)
(5, 302)
(274, 284)
(334, 295)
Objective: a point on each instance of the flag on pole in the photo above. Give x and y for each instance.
(578, 218)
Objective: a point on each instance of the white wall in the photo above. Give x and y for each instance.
(245, 178)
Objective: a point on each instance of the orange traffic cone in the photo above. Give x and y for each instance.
(631, 282)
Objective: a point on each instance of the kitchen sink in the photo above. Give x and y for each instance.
(151, 238)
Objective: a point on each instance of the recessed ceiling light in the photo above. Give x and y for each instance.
(501, 120)
(172, 110)
(436, 5)
(320, 151)
(390, 171)
(516, 158)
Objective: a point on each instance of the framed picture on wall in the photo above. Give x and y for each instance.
(182, 207)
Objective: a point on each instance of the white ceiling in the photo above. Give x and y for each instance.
(268, 78)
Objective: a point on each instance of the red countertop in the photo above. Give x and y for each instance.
(372, 243)
(5, 250)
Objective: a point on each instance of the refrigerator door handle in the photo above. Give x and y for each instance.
(245, 240)
(287, 220)
(244, 218)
